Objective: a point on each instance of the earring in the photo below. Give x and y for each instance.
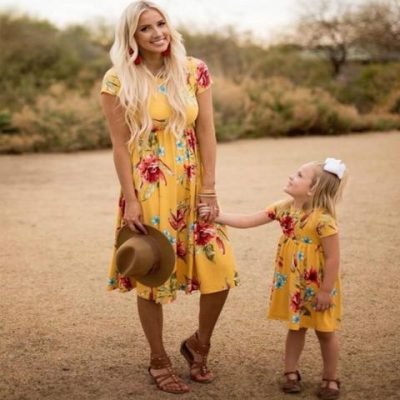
(138, 59)
(167, 51)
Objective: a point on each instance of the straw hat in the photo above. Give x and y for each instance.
(149, 259)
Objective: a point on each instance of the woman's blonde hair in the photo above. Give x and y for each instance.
(137, 82)
(327, 189)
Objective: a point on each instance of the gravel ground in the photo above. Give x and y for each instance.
(64, 337)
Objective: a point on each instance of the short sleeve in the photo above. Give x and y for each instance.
(326, 226)
(111, 84)
(276, 210)
(199, 75)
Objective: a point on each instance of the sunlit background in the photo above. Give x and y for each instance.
(257, 16)
(283, 68)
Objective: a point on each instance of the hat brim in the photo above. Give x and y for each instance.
(167, 255)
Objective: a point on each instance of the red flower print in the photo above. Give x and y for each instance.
(191, 138)
(203, 233)
(295, 302)
(271, 215)
(149, 168)
(190, 170)
(181, 249)
(287, 224)
(220, 244)
(311, 275)
(124, 283)
(178, 221)
(202, 75)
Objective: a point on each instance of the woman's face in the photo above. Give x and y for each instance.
(152, 34)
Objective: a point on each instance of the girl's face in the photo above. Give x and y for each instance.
(152, 34)
(299, 183)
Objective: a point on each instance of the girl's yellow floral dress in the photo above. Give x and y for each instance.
(299, 269)
(167, 177)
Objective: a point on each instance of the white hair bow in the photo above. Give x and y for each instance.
(335, 166)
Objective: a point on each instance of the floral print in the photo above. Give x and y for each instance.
(178, 220)
(287, 223)
(202, 75)
(150, 169)
(167, 175)
(299, 268)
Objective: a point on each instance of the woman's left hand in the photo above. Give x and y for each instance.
(323, 301)
(208, 208)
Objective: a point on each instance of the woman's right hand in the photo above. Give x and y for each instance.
(133, 216)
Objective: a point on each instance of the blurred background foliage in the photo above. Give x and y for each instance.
(337, 71)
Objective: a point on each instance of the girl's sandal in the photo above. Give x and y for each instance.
(196, 354)
(167, 381)
(291, 385)
(328, 393)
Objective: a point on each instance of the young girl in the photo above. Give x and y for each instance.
(306, 286)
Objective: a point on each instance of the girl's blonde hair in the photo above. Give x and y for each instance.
(327, 188)
(137, 82)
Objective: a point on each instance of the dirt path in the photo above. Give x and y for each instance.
(64, 337)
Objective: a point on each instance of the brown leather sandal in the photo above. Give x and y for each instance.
(328, 393)
(166, 381)
(291, 385)
(196, 354)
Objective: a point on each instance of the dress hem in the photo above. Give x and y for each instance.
(170, 299)
(303, 325)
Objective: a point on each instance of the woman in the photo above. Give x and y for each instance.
(158, 105)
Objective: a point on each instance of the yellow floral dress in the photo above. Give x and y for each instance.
(167, 177)
(299, 269)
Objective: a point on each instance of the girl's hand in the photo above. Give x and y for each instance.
(323, 301)
(208, 208)
(203, 210)
(133, 216)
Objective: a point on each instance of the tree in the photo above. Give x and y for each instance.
(378, 29)
(326, 27)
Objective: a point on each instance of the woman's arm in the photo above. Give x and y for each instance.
(243, 220)
(330, 245)
(120, 135)
(205, 133)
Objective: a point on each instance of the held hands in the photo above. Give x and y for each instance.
(323, 301)
(133, 216)
(207, 206)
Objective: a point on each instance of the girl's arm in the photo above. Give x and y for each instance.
(330, 245)
(244, 220)
(205, 133)
(120, 135)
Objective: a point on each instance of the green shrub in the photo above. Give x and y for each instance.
(6, 126)
(282, 109)
(367, 86)
(60, 120)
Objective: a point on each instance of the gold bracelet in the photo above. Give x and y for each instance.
(212, 191)
(208, 195)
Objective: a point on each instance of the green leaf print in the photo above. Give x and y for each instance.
(210, 252)
(148, 192)
(153, 139)
(293, 266)
(305, 311)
